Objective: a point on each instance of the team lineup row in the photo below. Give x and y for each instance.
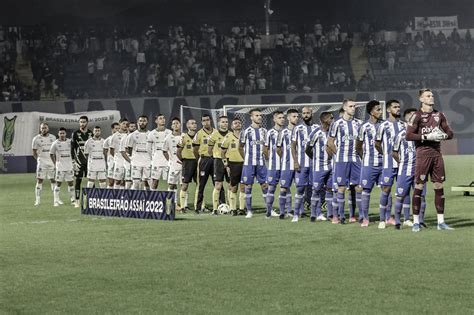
(322, 160)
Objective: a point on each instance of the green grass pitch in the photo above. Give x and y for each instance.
(53, 260)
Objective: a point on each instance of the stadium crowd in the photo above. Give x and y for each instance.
(97, 62)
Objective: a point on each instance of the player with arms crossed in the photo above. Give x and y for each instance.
(404, 152)
(60, 154)
(346, 162)
(252, 140)
(287, 173)
(371, 168)
(384, 143)
(321, 167)
(96, 159)
(233, 159)
(170, 148)
(428, 128)
(299, 140)
(78, 139)
(159, 165)
(115, 127)
(274, 160)
(41, 145)
(139, 154)
(214, 149)
(186, 155)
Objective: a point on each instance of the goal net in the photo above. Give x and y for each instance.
(267, 110)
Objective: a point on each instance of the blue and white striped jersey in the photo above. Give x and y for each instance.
(284, 142)
(386, 133)
(318, 140)
(407, 152)
(300, 136)
(345, 133)
(367, 134)
(253, 140)
(274, 161)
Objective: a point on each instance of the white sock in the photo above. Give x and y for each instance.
(110, 186)
(52, 186)
(186, 199)
(117, 186)
(90, 184)
(71, 191)
(136, 184)
(128, 184)
(416, 219)
(440, 218)
(56, 193)
(38, 189)
(102, 184)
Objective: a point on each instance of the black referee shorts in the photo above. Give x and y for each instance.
(235, 172)
(189, 171)
(220, 173)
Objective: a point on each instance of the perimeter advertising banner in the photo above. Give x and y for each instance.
(128, 203)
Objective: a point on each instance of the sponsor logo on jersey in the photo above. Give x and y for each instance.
(8, 133)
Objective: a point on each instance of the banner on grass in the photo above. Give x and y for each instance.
(127, 203)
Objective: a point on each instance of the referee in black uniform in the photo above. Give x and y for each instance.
(78, 139)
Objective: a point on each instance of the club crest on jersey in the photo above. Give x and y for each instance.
(364, 182)
(386, 179)
(339, 179)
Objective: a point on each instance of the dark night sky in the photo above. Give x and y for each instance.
(41, 11)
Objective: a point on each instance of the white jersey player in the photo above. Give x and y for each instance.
(41, 145)
(115, 127)
(159, 165)
(115, 152)
(170, 149)
(60, 154)
(96, 159)
(139, 154)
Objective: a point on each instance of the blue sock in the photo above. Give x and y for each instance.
(406, 207)
(248, 198)
(315, 202)
(329, 203)
(335, 205)
(340, 204)
(398, 208)
(365, 202)
(270, 198)
(383, 205)
(299, 200)
(388, 210)
(282, 202)
(359, 201)
(288, 202)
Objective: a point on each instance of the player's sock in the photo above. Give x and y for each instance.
(406, 207)
(315, 199)
(56, 191)
(388, 210)
(242, 200)
(233, 200)
(90, 184)
(288, 202)
(319, 202)
(416, 219)
(359, 201)
(215, 198)
(416, 202)
(282, 202)
(329, 196)
(270, 198)
(335, 205)
(183, 199)
(102, 184)
(440, 217)
(150, 185)
(352, 202)
(299, 200)
(117, 186)
(128, 184)
(110, 186)
(248, 198)
(383, 205)
(398, 208)
(38, 189)
(78, 187)
(340, 204)
(439, 202)
(71, 190)
(422, 209)
(365, 203)
(136, 184)
(53, 186)
(264, 196)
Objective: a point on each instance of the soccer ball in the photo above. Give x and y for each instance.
(223, 208)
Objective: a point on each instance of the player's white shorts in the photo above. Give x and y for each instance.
(44, 173)
(159, 172)
(119, 173)
(64, 176)
(174, 177)
(110, 170)
(141, 172)
(100, 175)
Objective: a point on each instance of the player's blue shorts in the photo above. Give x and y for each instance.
(370, 176)
(405, 183)
(286, 178)
(249, 172)
(322, 179)
(347, 173)
(388, 176)
(273, 177)
(302, 177)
